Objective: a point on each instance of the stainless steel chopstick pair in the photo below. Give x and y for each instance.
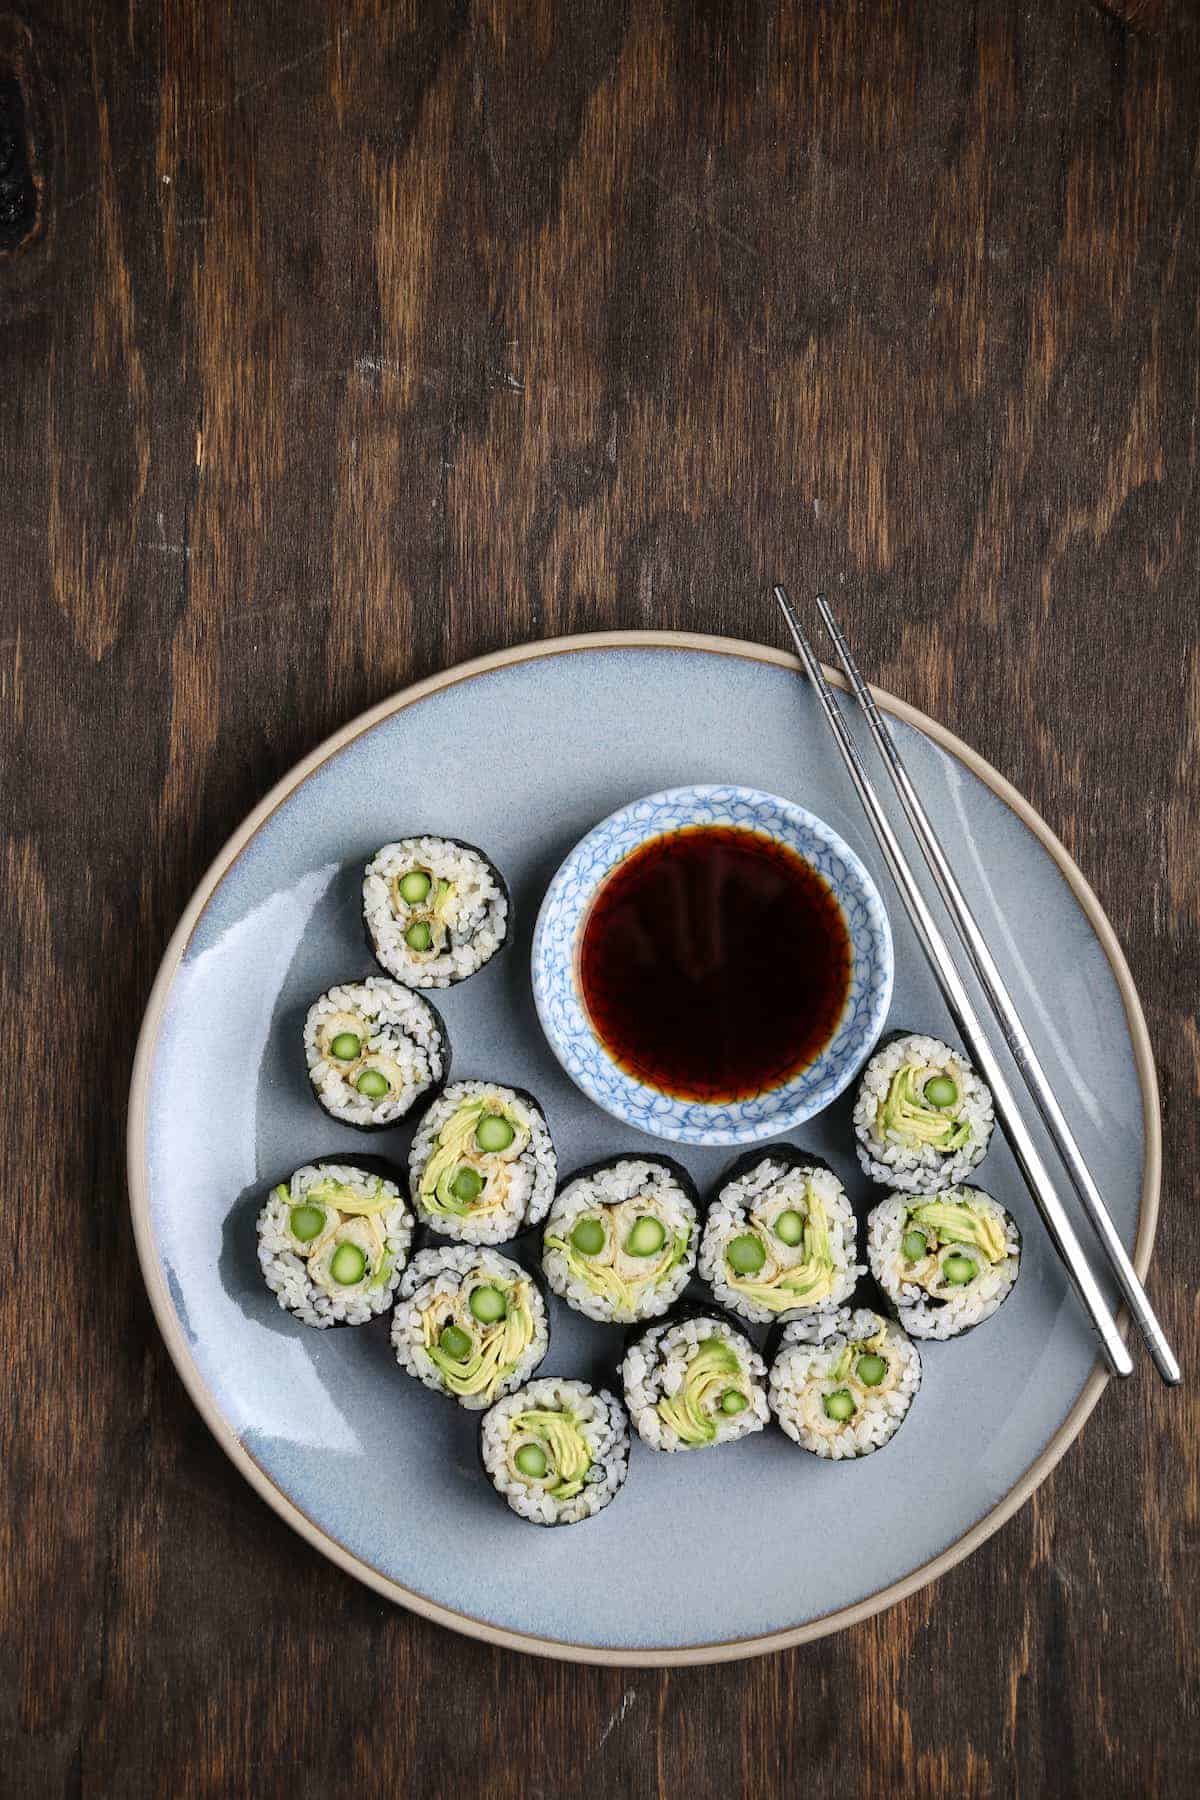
(967, 1019)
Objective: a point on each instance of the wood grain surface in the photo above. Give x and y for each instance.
(342, 340)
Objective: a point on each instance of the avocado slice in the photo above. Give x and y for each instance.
(905, 1116)
(607, 1283)
(495, 1349)
(963, 1222)
(565, 1445)
(598, 1277)
(387, 1263)
(373, 1197)
(456, 1148)
(689, 1412)
(807, 1282)
(848, 1356)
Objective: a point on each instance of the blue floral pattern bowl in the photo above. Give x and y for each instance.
(564, 1018)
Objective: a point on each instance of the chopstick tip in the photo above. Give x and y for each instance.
(784, 602)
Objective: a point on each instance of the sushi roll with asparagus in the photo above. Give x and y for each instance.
(557, 1451)
(483, 1166)
(469, 1324)
(922, 1116)
(694, 1382)
(780, 1238)
(435, 910)
(373, 1050)
(842, 1383)
(945, 1263)
(620, 1241)
(333, 1242)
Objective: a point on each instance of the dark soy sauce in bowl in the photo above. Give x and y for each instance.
(714, 963)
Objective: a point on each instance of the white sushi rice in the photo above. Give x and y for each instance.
(655, 1368)
(432, 1283)
(633, 1187)
(803, 1372)
(532, 1174)
(604, 1426)
(476, 920)
(391, 1023)
(922, 1315)
(770, 1187)
(920, 1168)
(285, 1266)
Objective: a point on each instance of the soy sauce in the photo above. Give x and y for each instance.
(715, 963)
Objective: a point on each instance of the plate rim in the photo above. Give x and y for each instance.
(137, 1168)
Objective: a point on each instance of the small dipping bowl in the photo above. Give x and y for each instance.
(558, 992)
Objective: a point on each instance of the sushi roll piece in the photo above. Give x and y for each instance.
(373, 1050)
(557, 1451)
(333, 1242)
(922, 1116)
(483, 1166)
(694, 1382)
(435, 910)
(842, 1383)
(620, 1242)
(469, 1324)
(780, 1238)
(945, 1263)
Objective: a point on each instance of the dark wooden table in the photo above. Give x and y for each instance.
(338, 342)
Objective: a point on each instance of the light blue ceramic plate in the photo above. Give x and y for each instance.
(563, 1015)
(535, 745)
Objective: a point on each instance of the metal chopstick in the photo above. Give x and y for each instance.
(1004, 1008)
(963, 1013)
